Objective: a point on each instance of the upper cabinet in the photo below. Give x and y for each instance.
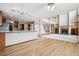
(73, 22)
(73, 19)
(2, 18)
(63, 23)
(63, 19)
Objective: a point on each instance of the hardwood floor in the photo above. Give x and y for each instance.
(42, 47)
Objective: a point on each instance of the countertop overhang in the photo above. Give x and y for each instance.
(16, 31)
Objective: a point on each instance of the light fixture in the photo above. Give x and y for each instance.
(51, 6)
(46, 20)
(19, 12)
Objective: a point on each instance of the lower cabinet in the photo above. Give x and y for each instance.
(74, 31)
(2, 40)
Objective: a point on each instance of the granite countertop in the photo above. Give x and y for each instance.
(17, 31)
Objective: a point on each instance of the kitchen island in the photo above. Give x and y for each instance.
(15, 37)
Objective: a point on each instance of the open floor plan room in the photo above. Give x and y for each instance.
(39, 29)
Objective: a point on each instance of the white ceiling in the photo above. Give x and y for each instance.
(37, 10)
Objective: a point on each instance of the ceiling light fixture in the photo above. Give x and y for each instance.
(22, 13)
(51, 6)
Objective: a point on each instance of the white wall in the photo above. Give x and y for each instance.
(18, 37)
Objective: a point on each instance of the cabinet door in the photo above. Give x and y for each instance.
(2, 40)
(0, 19)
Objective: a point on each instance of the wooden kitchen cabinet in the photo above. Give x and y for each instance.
(74, 31)
(2, 18)
(2, 40)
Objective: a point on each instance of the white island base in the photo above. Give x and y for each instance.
(12, 38)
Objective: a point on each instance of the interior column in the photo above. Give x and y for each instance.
(39, 35)
(50, 26)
